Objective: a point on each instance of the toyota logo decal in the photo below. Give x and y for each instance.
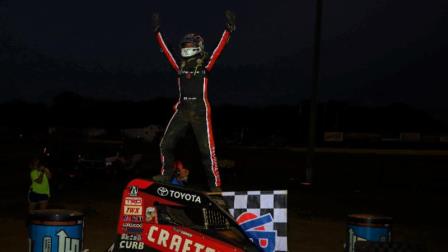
(162, 191)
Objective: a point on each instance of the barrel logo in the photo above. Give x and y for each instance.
(67, 244)
(255, 227)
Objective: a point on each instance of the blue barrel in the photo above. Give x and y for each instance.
(367, 227)
(55, 230)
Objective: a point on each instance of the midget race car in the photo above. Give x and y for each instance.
(162, 217)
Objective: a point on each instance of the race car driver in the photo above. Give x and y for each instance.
(193, 107)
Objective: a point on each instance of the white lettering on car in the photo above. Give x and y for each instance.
(199, 247)
(150, 233)
(175, 242)
(132, 245)
(185, 196)
(163, 237)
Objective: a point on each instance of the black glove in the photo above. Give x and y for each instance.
(230, 25)
(155, 22)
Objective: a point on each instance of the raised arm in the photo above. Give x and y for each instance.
(161, 42)
(230, 27)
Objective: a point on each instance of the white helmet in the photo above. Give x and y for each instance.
(198, 45)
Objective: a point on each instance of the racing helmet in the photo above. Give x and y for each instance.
(196, 42)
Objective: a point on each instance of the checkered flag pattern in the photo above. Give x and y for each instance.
(261, 203)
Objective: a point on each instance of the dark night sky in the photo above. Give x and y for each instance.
(373, 51)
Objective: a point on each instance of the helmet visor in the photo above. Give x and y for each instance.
(189, 51)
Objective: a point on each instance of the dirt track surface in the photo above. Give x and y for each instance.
(316, 217)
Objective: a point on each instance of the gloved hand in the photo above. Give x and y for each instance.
(230, 24)
(155, 22)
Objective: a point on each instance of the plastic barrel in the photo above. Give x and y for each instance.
(367, 227)
(55, 230)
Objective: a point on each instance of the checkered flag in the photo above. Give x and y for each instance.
(263, 216)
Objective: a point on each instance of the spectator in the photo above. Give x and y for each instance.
(39, 192)
(181, 175)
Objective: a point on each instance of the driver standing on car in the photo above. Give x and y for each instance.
(193, 107)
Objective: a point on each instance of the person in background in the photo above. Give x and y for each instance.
(39, 192)
(181, 176)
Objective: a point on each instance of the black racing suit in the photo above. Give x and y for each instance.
(192, 108)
